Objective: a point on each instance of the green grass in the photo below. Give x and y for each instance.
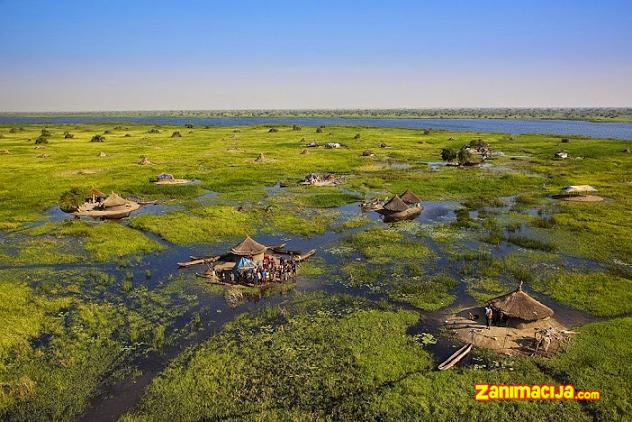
(601, 294)
(109, 240)
(426, 293)
(387, 374)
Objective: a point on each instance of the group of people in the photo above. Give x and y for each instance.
(262, 272)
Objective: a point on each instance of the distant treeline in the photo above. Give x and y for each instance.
(595, 114)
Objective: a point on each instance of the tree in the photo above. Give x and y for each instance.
(46, 133)
(41, 140)
(448, 154)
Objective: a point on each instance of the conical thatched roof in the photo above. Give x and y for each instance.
(248, 247)
(579, 189)
(409, 197)
(518, 304)
(395, 205)
(113, 200)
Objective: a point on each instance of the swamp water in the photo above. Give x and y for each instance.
(213, 310)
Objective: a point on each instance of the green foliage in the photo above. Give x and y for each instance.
(72, 199)
(97, 138)
(448, 154)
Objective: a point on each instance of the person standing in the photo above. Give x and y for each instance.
(489, 314)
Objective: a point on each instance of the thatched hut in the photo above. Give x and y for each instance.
(410, 198)
(578, 190)
(249, 248)
(113, 202)
(519, 309)
(395, 204)
(164, 177)
(396, 209)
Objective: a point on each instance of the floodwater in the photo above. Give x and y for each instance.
(214, 311)
(615, 130)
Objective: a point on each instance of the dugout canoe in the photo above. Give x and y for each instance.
(455, 357)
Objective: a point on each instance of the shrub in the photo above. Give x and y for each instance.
(426, 131)
(176, 134)
(565, 140)
(68, 135)
(465, 156)
(273, 130)
(97, 138)
(296, 127)
(448, 154)
(13, 130)
(41, 140)
(153, 130)
(46, 132)
(357, 136)
(127, 135)
(319, 130)
(188, 126)
(72, 199)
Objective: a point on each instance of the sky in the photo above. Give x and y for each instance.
(103, 55)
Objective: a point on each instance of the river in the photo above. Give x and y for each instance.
(615, 130)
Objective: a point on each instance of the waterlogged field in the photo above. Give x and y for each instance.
(99, 324)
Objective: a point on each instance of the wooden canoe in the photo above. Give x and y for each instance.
(455, 357)
(198, 261)
(306, 255)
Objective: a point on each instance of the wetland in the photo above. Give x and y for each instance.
(100, 324)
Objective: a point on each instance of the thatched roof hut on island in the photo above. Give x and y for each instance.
(168, 179)
(410, 198)
(579, 193)
(520, 325)
(113, 207)
(520, 310)
(315, 179)
(396, 209)
(250, 263)
(249, 248)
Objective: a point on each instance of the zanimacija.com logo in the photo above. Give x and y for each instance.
(486, 392)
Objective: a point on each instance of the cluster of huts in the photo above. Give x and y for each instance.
(317, 179)
(400, 207)
(113, 206)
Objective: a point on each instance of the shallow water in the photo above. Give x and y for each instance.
(616, 130)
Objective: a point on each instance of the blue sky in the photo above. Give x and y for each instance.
(127, 55)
